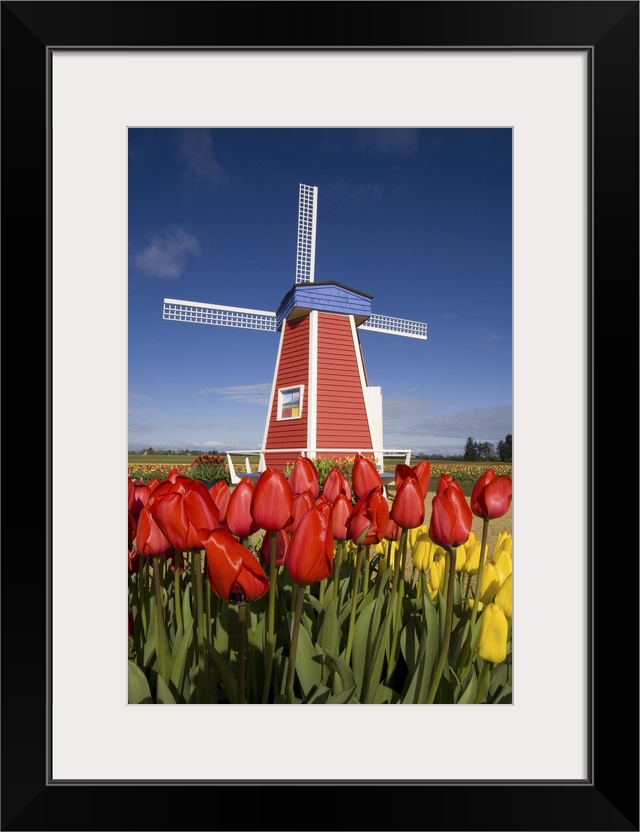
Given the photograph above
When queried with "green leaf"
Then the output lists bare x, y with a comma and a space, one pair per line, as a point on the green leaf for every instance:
418, 687
329, 632
320, 696
308, 663
361, 648
469, 694
138, 686
345, 697
179, 657
163, 694
498, 678
342, 670
385, 695
409, 643
223, 668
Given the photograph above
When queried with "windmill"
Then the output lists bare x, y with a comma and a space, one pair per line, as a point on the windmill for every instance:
321, 403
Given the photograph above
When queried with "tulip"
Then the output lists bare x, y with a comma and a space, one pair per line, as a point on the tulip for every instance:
407, 509
304, 477
503, 563
489, 584
365, 476
238, 519
368, 521
394, 531
420, 472
185, 516
494, 629
310, 554
221, 494
435, 581
340, 511
233, 572
150, 539
504, 596
272, 501
491, 495
334, 484
301, 504
451, 516
447, 481
283, 539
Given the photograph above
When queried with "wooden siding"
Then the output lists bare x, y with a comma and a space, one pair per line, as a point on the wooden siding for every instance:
342, 414
293, 369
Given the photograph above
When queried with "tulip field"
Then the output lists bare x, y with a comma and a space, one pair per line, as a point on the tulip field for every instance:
291, 589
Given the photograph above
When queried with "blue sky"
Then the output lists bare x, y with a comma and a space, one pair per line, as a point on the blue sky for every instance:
421, 219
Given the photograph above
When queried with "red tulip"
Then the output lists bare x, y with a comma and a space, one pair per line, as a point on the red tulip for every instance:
423, 472
491, 495
446, 481
233, 572
310, 554
334, 484
408, 505
301, 505
150, 539
369, 518
394, 531
221, 494
451, 517
185, 514
272, 502
282, 544
340, 511
238, 517
304, 477
365, 476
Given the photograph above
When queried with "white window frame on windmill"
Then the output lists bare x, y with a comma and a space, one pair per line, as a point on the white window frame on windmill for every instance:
282, 392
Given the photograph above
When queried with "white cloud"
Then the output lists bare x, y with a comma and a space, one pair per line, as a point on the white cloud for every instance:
247, 393
166, 255
195, 153
426, 419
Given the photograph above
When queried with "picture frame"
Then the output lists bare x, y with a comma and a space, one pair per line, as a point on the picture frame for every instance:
608, 32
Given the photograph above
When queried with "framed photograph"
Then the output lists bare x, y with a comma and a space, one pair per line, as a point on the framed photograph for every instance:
564, 78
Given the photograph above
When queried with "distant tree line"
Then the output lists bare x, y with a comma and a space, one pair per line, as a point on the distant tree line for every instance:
485, 451
162, 452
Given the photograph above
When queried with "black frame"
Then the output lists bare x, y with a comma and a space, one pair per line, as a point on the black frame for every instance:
608, 799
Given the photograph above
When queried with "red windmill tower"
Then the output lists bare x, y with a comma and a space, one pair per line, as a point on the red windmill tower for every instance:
321, 403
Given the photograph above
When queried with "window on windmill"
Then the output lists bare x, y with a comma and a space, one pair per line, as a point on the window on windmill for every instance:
290, 402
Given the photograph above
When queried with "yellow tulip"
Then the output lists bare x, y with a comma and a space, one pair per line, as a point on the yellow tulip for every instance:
504, 597
412, 535
473, 558
461, 557
503, 563
490, 583
492, 641
435, 581
422, 552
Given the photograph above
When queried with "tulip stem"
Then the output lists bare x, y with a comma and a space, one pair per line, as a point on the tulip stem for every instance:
446, 636
354, 598
367, 567
272, 618
396, 609
177, 598
336, 570
197, 568
294, 642
476, 594
242, 632
160, 642
483, 683
143, 578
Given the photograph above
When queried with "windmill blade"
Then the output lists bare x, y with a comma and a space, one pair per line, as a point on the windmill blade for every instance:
306, 251
396, 326
212, 313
